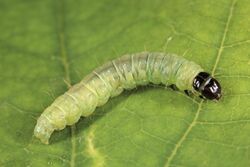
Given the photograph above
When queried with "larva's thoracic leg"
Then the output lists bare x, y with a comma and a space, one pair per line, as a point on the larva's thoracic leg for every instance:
173, 87
187, 92
202, 97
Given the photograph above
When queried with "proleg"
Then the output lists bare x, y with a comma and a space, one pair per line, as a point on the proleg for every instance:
120, 74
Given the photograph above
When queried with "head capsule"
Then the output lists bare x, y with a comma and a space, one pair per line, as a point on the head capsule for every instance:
207, 86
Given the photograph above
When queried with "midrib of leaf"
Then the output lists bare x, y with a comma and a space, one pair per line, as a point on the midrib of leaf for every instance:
196, 117
66, 67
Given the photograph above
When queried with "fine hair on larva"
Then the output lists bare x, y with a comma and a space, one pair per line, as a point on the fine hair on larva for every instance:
112, 78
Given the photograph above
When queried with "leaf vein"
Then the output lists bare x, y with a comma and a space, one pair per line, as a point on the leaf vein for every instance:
65, 63
193, 123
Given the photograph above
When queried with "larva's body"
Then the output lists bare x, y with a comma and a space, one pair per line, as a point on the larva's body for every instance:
110, 80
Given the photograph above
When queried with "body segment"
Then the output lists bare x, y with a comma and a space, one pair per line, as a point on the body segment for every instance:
110, 80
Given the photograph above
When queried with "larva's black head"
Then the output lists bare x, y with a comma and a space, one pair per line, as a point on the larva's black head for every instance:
207, 86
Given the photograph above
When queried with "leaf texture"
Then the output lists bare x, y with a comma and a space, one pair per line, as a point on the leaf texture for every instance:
45, 46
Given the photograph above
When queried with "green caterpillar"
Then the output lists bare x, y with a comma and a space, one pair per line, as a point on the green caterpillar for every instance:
113, 77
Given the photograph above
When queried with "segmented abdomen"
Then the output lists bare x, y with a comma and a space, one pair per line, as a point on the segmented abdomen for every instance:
110, 80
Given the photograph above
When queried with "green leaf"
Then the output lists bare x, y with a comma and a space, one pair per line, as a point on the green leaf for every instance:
45, 43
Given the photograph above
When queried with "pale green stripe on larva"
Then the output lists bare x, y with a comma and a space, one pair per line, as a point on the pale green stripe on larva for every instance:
110, 80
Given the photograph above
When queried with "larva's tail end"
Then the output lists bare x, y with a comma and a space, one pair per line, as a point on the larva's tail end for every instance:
43, 131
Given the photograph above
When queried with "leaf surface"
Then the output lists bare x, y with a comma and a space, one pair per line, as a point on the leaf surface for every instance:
45, 45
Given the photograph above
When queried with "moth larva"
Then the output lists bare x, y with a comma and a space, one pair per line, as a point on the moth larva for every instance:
113, 77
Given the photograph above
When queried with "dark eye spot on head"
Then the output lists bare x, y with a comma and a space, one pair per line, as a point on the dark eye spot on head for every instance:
208, 87
212, 89
199, 80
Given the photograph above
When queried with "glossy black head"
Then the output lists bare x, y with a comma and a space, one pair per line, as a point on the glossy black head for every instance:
207, 86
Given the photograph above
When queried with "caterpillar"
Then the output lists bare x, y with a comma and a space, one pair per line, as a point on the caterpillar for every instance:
112, 78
